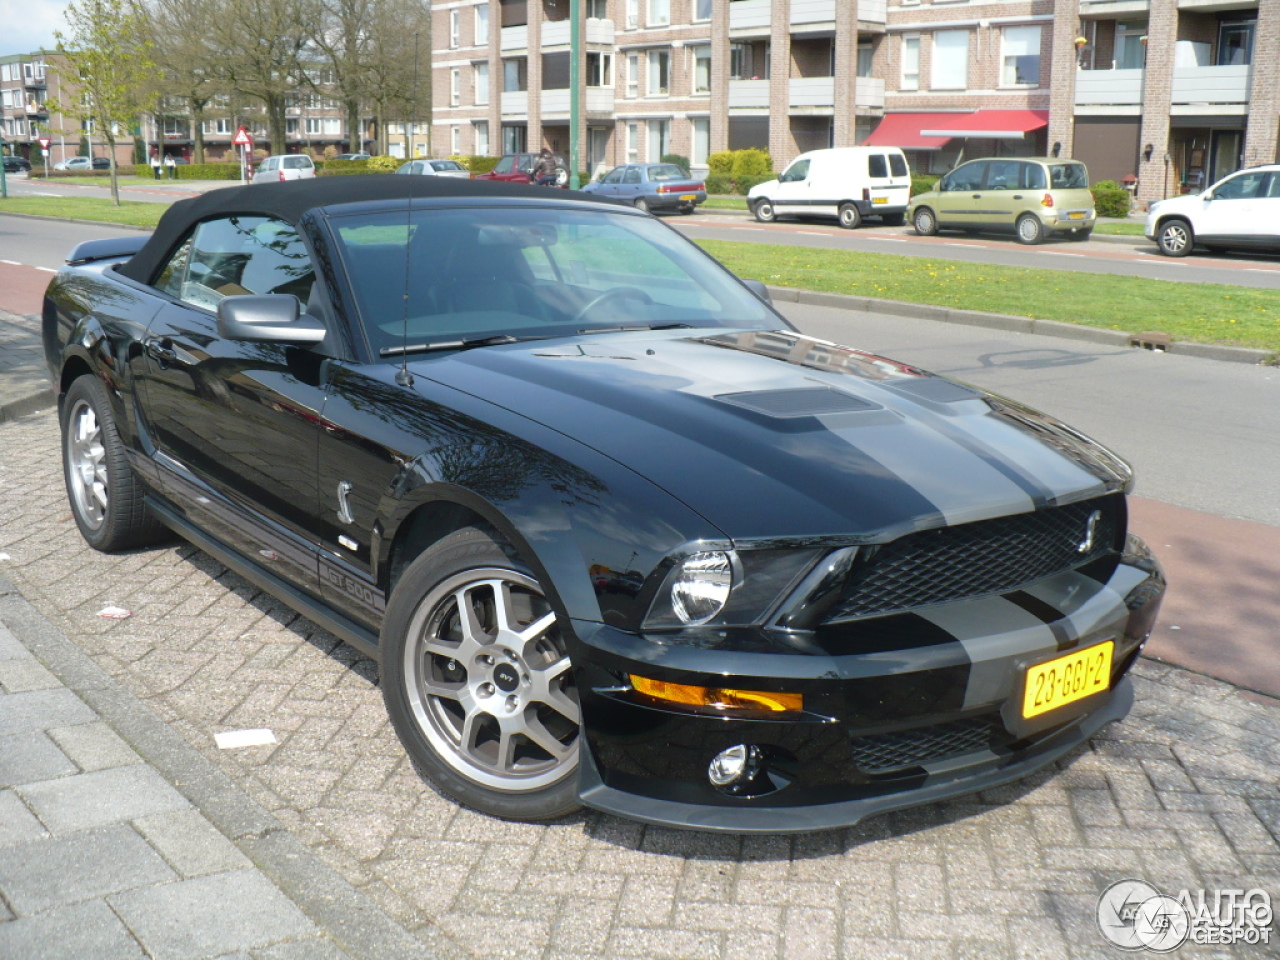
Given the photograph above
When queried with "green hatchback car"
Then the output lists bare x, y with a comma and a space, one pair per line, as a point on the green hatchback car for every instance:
1031, 197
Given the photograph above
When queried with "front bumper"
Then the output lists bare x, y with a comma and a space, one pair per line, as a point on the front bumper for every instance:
893, 717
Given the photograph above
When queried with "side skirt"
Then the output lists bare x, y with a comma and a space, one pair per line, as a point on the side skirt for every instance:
359, 637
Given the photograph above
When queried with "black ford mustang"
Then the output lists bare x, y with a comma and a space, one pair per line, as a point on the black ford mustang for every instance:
615, 532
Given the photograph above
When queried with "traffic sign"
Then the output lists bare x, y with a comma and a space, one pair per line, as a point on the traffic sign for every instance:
44, 142
242, 138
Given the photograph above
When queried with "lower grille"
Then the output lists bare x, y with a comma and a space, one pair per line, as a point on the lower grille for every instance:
884, 753
977, 559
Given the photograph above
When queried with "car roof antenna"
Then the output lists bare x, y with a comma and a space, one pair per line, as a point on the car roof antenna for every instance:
403, 377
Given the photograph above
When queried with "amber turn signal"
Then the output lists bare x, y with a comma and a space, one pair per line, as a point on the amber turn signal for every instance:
721, 698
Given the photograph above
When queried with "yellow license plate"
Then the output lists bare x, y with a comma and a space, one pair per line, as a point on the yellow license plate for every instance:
1067, 679
688, 197
879, 199
1077, 215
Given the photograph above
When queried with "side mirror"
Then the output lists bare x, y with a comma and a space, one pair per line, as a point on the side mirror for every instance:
267, 318
760, 290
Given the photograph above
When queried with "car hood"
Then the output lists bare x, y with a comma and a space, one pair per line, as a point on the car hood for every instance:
774, 434
761, 188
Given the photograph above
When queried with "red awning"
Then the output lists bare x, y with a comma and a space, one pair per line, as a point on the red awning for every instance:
988, 124
932, 131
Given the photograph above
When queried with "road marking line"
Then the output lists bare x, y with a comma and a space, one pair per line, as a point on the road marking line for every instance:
13, 262
1261, 269
950, 243
1055, 253
813, 233
893, 239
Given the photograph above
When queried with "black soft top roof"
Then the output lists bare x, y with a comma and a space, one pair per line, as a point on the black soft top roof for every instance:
290, 199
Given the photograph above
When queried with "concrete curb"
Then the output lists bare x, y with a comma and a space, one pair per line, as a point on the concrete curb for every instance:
354, 922
1000, 321
41, 399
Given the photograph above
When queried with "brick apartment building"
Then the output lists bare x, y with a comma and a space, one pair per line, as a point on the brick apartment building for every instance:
1174, 92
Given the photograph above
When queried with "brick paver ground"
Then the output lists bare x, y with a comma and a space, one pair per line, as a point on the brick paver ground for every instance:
1183, 794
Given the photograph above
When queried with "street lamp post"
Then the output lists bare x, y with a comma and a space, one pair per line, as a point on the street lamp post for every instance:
575, 51
4, 183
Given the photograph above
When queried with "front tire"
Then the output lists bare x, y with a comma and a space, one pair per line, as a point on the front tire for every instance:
106, 498
477, 680
764, 211
1029, 229
925, 222
1175, 238
848, 216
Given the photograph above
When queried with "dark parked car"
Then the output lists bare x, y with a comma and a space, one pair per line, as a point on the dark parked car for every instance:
615, 532
651, 186
518, 168
15, 164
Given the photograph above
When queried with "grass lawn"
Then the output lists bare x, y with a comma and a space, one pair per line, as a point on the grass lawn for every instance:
88, 181
1202, 312
87, 208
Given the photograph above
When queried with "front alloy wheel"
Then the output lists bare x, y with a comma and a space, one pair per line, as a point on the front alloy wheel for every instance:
1175, 238
478, 682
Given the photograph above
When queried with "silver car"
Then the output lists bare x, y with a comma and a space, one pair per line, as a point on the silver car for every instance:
436, 168
287, 166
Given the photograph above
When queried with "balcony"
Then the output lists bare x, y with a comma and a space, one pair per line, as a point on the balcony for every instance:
809, 92
555, 33
599, 31
750, 15
1223, 90
1109, 88
869, 93
804, 12
516, 38
515, 103
600, 100
553, 102
749, 94
1124, 9
873, 11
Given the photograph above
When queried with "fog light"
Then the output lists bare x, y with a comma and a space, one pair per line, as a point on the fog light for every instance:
718, 698
737, 765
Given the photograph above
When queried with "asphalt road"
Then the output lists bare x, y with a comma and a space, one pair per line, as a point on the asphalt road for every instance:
160, 191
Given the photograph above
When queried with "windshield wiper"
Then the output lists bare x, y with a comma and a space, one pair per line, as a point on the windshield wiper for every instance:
453, 345
639, 326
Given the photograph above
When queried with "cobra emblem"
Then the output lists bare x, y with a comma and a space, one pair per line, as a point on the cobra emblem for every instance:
1090, 532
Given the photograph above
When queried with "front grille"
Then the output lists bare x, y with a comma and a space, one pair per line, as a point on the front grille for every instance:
975, 559
884, 753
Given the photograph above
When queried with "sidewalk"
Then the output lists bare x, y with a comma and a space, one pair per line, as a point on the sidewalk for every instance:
118, 840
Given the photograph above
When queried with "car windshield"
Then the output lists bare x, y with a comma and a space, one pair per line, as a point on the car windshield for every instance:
478, 273
445, 165
667, 171
1069, 176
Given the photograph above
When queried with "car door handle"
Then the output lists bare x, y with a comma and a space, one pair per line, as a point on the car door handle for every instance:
161, 351
1017, 196
977, 196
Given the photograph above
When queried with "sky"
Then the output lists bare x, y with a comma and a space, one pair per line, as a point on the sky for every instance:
27, 25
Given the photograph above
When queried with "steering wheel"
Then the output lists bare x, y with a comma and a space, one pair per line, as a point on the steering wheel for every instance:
613, 293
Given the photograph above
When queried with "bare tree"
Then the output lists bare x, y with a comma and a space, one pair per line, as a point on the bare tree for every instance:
177, 31
345, 46
399, 75
109, 65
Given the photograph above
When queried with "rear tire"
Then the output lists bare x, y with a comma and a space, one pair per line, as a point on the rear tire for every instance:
1029, 229
106, 498
477, 680
849, 216
763, 211
925, 222
641, 204
1175, 238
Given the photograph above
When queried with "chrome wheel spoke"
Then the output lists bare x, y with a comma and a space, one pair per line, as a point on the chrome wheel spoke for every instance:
531, 637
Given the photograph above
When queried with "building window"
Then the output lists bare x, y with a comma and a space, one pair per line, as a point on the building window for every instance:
1131, 52
481, 83
910, 63
599, 69
514, 137
633, 142
323, 126
702, 69
865, 59
633, 14
1235, 43
514, 75
1021, 57
482, 25
455, 20
633, 75
659, 72
749, 61
659, 13
659, 139
597, 9
455, 87
455, 141
701, 140
482, 139
701, 10
950, 60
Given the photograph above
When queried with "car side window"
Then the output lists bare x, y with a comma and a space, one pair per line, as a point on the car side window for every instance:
898, 165
1243, 187
504, 165
1273, 187
174, 273
241, 255
877, 166
967, 177
632, 175
1004, 175
795, 173
614, 176
526, 164
1033, 177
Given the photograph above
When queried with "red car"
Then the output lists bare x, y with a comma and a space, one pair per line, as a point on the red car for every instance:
518, 168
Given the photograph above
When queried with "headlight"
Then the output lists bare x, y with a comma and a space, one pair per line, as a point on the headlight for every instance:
701, 587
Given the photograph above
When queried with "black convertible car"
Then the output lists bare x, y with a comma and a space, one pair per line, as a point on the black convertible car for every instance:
615, 532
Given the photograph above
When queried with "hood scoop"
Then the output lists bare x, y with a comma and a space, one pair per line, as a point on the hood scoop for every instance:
801, 402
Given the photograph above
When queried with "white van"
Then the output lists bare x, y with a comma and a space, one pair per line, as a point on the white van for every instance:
291, 166
847, 183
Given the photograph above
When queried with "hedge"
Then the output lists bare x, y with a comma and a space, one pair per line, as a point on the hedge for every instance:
752, 163
1110, 199
209, 171
476, 163
923, 183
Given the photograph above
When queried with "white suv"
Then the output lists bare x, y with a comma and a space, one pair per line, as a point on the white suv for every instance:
1240, 210
292, 166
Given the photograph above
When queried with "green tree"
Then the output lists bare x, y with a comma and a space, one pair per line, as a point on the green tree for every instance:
110, 62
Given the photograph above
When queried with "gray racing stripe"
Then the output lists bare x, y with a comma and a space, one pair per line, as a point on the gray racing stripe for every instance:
1089, 608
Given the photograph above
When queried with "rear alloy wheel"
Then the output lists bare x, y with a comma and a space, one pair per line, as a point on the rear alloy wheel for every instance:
1030, 230
849, 216
1175, 238
477, 680
925, 222
641, 203
106, 498
764, 212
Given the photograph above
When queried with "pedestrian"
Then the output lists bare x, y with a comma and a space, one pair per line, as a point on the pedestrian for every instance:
171, 167
544, 171
155, 164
